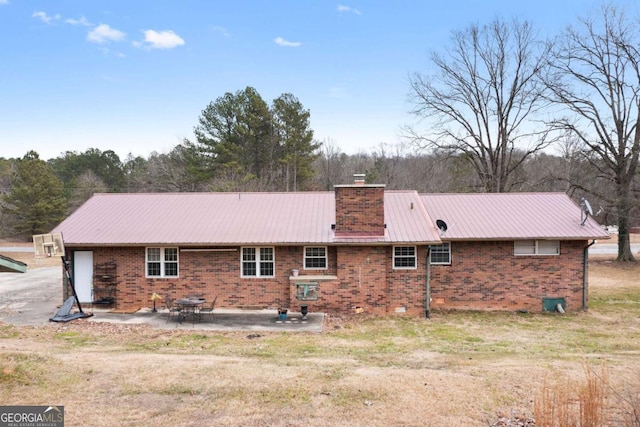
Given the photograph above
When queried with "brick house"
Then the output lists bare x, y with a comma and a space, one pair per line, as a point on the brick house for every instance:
358, 248
510, 251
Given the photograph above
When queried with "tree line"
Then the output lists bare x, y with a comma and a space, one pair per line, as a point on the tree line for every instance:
60, 185
503, 110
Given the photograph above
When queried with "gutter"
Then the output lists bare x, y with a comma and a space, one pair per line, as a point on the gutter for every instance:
428, 285
585, 260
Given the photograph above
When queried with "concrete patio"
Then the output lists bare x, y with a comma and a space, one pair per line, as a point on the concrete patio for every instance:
32, 298
221, 320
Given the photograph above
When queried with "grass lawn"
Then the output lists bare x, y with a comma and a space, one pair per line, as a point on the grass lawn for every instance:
455, 369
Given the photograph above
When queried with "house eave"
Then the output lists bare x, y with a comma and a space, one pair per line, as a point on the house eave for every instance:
214, 245
510, 238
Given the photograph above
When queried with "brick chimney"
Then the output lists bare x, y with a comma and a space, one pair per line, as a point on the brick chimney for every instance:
359, 209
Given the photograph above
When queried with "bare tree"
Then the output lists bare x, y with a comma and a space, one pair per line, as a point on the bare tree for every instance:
388, 162
597, 78
330, 165
484, 100
179, 170
85, 186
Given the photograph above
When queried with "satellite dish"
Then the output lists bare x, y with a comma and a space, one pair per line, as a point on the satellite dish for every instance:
586, 211
441, 225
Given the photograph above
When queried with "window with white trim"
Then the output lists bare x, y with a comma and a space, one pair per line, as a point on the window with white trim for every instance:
315, 258
536, 247
258, 262
162, 262
404, 257
440, 254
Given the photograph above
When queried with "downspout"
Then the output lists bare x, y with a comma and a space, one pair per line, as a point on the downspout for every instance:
585, 260
428, 284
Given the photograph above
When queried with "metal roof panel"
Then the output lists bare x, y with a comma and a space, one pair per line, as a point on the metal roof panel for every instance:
494, 216
193, 219
230, 218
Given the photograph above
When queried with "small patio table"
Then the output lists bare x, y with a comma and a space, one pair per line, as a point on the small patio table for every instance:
190, 307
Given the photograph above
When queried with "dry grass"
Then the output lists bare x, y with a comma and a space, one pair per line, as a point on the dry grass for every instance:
456, 369
588, 402
568, 403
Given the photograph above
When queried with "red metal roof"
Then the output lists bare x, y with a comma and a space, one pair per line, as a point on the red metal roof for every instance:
192, 219
495, 216
198, 219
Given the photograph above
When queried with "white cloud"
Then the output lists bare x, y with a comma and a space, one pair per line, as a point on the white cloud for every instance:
347, 9
282, 42
161, 39
104, 33
4, 1
221, 30
82, 21
44, 17
110, 53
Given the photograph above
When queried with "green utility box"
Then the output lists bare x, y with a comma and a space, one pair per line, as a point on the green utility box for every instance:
550, 304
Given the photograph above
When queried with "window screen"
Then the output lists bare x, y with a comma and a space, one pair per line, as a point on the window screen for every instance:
404, 257
441, 254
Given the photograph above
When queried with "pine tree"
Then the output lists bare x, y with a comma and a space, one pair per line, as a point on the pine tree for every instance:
36, 200
241, 139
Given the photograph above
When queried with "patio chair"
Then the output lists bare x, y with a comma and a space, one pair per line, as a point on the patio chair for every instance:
208, 310
173, 310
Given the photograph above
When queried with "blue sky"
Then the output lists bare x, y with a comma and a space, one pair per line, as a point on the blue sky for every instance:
134, 75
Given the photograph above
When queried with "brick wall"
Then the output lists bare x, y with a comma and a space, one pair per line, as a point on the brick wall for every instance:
359, 210
209, 273
407, 288
486, 275
361, 280
368, 283
483, 275
362, 283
